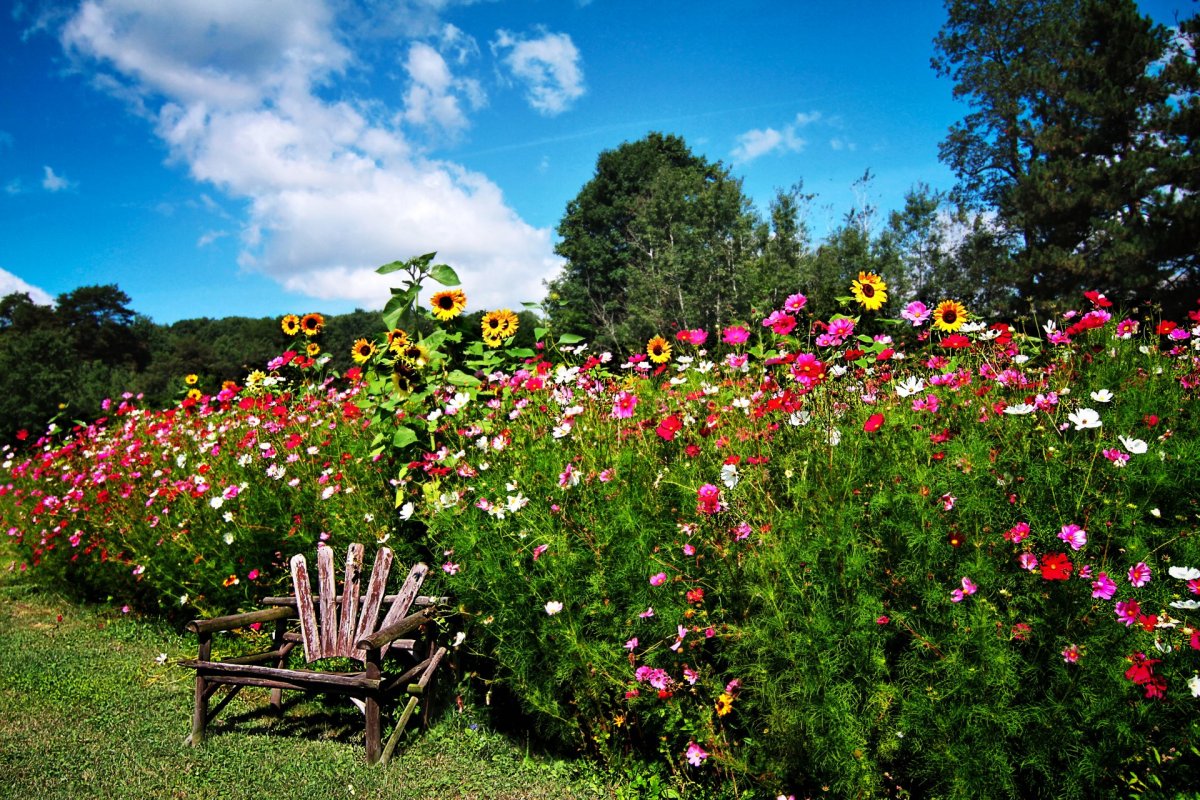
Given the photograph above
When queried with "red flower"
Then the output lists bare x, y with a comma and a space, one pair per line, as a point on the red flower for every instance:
695, 595
1142, 671
1165, 327
1099, 300
955, 341
669, 427
1056, 567
873, 423
1151, 420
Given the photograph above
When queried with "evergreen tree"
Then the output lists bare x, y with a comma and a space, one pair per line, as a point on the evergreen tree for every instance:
1074, 140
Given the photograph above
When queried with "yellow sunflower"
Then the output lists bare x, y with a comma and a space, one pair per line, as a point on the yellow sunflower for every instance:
313, 349
255, 379
397, 339
869, 291
448, 304
290, 325
362, 351
414, 356
659, 350
724, 704
404, 378
499, 325
191, 379
312, 324
949, 316
193, 394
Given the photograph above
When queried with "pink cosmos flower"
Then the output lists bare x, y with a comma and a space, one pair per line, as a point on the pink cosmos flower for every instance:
1070, 653
708, 499
1127, 328
1017, 533
695, 336
690, 675
737, 361
1128, 611
649, 612
780, 322
689, 550
658, 579
735, 334
252, 575
1104, 587
537, 551
1139, 574
631, 644
1116, 456
1073, 535
948, 501
623, 405
841, 327
915, 312
450, 568
696, 755
794, 303
1028, 561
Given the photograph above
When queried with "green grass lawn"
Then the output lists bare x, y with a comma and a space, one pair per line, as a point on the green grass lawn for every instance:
87, 710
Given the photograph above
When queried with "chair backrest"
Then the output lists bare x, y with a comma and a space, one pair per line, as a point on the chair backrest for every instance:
343, 622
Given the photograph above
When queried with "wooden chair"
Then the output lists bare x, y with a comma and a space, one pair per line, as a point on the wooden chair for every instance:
346, 626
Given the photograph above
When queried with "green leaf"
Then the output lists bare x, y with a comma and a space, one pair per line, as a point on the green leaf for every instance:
403, 437
444, 275
395, 266
538, 333
521, 352
570, 338
460, 378
532, 306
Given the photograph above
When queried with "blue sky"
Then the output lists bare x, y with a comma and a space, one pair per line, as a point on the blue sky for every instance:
260, 157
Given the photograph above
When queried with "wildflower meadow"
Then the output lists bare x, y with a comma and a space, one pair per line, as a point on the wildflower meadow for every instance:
892, 552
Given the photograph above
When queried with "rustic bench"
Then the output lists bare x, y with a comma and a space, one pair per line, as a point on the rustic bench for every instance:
344, 625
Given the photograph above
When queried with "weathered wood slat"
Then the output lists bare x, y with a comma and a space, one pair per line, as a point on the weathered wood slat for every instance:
271, 655
387, 634
419, 686
237, 620
348, 618
304, 609
328, 590
404, 599
219, 671
369, 617
422, 600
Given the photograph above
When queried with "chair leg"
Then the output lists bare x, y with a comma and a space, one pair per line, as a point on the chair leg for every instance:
199, 712
373, 733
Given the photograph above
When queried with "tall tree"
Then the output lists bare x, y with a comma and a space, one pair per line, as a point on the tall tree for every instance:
1072, 139
658, 235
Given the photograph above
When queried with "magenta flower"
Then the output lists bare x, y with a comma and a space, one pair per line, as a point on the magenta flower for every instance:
696, 755
1128, 611
1139, 574
735, 334
841, 327
1070, 653
649, 612
537, 551
659, 579
623, 405
915, 312
631, 644
780, 322
1017, 533
794, 303
1073, 535
1104, 587
708, 499
1028, 561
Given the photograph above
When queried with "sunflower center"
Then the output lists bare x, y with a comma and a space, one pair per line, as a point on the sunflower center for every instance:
446, 302
950, 316
868, 290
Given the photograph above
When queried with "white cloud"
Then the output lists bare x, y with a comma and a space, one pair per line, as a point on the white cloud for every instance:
54, 183
759, 142
432, 99
10, 284
548, 65
841, 144
245, 99
208, 237
14, 187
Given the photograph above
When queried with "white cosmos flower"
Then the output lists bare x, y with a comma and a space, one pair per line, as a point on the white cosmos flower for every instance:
909, 386
1187, 605
1194, 684
1085, 418
1102, 396
1184, 573
553, 607
1020, 409
1135, 446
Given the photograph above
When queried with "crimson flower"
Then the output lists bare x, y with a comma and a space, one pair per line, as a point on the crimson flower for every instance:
1056, 567
873, 423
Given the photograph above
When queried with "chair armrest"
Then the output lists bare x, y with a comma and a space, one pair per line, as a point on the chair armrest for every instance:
396, 629
239, 620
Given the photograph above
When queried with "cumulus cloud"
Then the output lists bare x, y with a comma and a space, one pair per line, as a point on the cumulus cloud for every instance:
245, 97
52, 182
548, 65
760, 141
434, 95
10, 284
